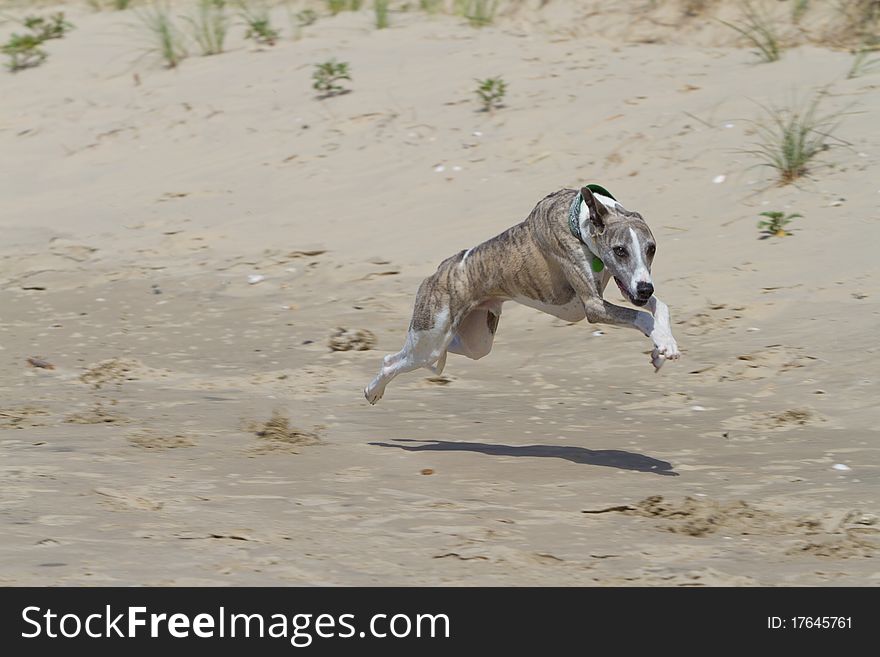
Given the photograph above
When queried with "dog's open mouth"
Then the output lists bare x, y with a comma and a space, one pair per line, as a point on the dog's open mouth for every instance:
625, 292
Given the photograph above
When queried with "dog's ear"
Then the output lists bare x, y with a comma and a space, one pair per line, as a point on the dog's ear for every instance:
597, 209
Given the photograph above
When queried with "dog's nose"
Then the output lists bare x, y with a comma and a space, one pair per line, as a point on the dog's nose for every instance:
644, 291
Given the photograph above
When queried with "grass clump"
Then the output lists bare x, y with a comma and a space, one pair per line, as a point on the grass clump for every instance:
338, 6
757, 28
306, 17
167, 38
299, 20
431, 6
209, 26
775, 223
53, 27
798, 10
381, 9
117, 5
478, 13
862, 65
23, 51
861, 18
328, 75
491, 92
259, 24
792, 137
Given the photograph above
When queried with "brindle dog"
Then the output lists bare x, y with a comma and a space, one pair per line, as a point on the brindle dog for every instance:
559, 261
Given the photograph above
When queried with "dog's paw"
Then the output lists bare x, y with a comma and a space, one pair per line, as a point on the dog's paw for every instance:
665, 348
373, 395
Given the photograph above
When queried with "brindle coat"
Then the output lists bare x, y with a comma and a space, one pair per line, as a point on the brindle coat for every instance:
540, 264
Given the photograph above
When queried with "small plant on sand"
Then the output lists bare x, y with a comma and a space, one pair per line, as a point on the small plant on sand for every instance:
117, 5
791, 138
259, 24
299, 20
862, 64
860, 18
431, 6
53, 27
327, 77
306, 17
381, 9
209, 26
338, 6
757, 28
775, 223
478, 13
694, 7
167, 38
798, 10
491, 92
23, 51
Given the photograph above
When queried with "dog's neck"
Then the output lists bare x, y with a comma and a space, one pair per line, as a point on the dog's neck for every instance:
579, 225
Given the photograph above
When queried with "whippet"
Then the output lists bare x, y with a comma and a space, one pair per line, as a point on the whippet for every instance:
559, 261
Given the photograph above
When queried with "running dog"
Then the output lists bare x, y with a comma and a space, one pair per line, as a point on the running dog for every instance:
559, 261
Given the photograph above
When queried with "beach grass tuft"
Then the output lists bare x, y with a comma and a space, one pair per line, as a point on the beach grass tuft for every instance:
381, 9
168, 40
23, 51
209, 25
338, 6
791, 138
258, 20
758, 29
478, 13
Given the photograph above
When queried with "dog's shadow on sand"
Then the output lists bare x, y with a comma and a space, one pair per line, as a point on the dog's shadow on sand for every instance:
610, 458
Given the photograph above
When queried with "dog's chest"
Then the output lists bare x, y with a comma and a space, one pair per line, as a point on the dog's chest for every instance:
571, 311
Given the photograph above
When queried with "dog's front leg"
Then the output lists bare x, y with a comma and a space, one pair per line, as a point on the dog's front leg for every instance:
665, 347
655, 327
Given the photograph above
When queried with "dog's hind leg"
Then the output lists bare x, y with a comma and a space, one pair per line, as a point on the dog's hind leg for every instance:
423, 348
476, 332
437, 368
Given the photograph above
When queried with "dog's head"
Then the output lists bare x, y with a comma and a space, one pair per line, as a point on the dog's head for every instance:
622, 241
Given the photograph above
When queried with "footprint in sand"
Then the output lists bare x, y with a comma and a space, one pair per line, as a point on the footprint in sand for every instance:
775, 420
715, 317
23, 417
351, 339
277, 435
762, 364
114, 370
96, 415
147, 439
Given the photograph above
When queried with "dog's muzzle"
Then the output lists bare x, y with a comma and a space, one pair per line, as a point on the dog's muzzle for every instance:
636, 299
644, 291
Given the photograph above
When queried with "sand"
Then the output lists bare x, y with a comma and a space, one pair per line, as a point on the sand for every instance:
182, 247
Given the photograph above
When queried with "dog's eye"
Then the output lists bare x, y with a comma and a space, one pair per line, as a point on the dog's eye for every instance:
620, 252
651, 250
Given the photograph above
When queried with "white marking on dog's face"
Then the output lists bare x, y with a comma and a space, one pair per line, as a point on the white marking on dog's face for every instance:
641, 272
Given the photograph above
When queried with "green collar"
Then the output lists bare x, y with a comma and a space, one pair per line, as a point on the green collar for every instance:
598, 189
574, 225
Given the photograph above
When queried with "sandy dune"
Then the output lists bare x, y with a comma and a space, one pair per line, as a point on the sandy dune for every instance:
180, 246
